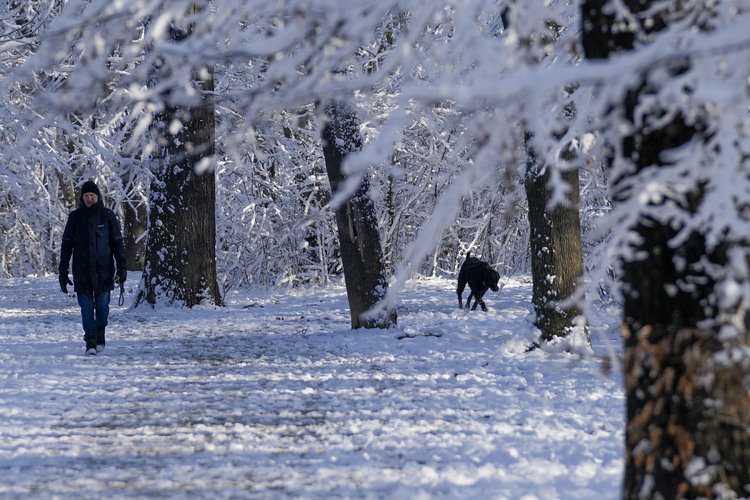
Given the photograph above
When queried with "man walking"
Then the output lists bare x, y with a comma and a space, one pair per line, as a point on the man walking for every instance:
94, 239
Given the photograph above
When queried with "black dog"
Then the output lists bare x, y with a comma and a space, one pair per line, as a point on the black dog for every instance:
480, 277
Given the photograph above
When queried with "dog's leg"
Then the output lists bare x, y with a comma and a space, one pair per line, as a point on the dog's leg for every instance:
468, 301
479, 301
460, 291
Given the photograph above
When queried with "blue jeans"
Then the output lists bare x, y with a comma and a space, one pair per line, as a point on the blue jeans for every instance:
94, 316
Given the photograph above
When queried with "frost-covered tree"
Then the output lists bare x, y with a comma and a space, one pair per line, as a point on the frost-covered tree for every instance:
181, 247
274, 60
48, 154
275, 227
359, 238
555, 247
680, 189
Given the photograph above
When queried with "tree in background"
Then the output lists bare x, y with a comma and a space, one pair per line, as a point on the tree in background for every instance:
551, 183
359, 237
181, 246
556, 251
686, 344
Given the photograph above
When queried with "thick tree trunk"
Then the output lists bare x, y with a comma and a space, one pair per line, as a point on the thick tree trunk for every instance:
688, 411
181, 249
688, 405
556, 250
359, 238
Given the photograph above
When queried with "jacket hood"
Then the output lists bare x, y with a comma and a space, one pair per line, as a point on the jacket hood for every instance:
90, 187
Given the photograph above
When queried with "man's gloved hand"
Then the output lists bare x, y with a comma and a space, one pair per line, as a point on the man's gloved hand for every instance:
64, 282
121, 275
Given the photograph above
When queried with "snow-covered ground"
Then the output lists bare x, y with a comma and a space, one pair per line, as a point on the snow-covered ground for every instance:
273, 396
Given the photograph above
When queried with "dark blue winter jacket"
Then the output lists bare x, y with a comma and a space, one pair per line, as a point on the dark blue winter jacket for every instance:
93, 237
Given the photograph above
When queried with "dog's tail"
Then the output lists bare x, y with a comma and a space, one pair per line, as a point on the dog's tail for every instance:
468, 254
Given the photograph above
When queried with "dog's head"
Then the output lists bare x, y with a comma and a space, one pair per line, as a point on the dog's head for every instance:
492, 279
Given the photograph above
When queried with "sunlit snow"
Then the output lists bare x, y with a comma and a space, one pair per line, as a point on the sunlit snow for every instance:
273, 396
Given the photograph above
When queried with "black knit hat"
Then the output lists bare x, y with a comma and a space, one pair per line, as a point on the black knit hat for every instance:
90, 187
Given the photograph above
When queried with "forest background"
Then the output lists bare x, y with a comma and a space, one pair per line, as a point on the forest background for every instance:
275, 225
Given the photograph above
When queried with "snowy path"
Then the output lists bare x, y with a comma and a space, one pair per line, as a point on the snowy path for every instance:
273, 397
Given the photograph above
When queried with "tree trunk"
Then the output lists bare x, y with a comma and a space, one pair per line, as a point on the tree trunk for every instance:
556, 250
181, 248
688, 406
359, 238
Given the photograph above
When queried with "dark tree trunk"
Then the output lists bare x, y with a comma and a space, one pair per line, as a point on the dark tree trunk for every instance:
556, 249
359, 238
181, 248
687, 411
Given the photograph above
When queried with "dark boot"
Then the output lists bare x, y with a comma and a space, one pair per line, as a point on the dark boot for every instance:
90, 345
100, 342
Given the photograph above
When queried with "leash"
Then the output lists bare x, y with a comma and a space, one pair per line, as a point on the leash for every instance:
121, 299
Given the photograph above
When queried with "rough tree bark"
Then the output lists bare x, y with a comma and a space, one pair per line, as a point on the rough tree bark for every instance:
688, 404
181, 247
556, 249
359, 238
